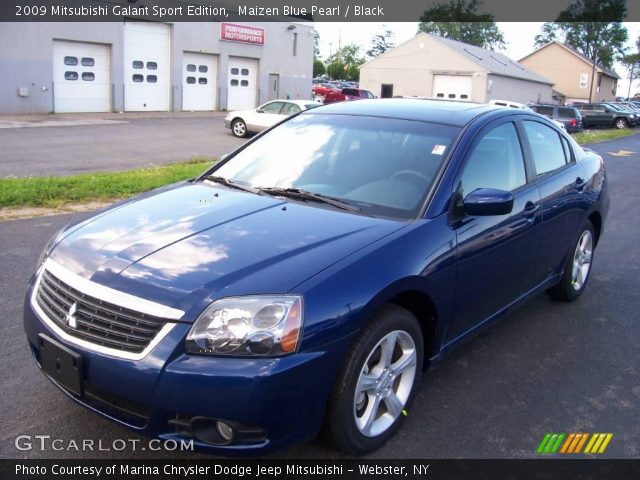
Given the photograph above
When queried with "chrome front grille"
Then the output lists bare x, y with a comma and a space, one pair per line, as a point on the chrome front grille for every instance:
94, 320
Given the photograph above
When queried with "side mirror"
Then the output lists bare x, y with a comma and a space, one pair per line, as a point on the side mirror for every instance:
488, 201
260, 111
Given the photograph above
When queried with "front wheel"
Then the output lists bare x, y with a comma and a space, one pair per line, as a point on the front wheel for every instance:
621, 123
239, 128
377, 382
577, 268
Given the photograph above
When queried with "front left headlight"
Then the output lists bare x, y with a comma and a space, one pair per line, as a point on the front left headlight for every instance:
260, 325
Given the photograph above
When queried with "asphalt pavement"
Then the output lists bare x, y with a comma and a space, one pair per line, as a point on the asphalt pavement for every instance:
549, 367
81, 144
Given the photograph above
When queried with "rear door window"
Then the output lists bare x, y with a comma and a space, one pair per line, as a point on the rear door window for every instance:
546, 147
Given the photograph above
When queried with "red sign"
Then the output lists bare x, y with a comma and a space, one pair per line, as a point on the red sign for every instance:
233, 32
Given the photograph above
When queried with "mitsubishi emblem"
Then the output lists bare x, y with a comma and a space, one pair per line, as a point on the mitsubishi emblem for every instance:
70, 318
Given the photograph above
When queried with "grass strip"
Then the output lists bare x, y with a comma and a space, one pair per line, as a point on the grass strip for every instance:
593, 136
57, 191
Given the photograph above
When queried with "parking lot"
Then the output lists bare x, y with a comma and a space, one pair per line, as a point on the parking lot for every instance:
88, 143
549, 367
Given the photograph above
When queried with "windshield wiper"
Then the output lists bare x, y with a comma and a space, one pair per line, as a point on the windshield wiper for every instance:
300, 194
231, 184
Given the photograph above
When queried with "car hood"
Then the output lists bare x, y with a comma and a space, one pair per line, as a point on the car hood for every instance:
200, 241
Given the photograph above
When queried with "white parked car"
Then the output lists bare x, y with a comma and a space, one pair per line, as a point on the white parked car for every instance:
242, 122
521, 106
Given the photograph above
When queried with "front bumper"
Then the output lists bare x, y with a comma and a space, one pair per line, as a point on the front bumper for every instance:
283, 397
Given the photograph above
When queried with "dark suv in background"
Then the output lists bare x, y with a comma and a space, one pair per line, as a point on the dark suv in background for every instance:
605, 115
569, 116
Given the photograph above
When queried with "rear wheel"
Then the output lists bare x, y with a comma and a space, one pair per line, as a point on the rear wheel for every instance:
577, 268
239, 128
376, 383
621, 123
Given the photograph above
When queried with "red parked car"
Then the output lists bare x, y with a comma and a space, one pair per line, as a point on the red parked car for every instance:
347, 94
320, 90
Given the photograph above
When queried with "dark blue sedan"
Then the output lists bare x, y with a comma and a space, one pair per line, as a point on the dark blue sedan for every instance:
315, 273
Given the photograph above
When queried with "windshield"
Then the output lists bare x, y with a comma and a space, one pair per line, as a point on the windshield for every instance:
383, 166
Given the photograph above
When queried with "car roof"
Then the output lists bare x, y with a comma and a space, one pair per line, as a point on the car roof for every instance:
436, 111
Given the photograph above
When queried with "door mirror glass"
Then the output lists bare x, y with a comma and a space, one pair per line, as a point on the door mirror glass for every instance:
488, 201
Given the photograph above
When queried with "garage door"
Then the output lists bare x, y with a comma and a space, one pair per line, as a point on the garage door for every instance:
81, 77
146, 66
199, 81
242, 87
453, 87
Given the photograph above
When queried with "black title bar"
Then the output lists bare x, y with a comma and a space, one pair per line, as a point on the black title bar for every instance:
538, 469
276, 10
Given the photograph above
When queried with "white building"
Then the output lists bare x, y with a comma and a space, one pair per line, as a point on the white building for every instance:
149, 66
432, 66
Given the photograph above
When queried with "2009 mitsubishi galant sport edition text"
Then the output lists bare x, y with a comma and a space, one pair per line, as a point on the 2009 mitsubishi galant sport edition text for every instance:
315, 273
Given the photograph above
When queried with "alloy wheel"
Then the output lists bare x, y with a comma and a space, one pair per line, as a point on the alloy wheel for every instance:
582, 260
385, 383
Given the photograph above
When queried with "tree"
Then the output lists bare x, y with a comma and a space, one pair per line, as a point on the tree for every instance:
380, 43
336, 70
459, 20
632, 64
576, 28
318, 68
350, 54
353, 73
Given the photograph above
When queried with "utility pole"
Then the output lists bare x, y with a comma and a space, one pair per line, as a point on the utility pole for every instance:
593, 74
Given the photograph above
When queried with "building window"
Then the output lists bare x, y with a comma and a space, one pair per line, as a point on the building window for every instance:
138, 78
235, 71
584, 78
244, 83
191, 80
88, 62
295, 44
73, 61
71, 76
234, 82
203, 69
138, 65
464, 96
452, 95
244, 71
152, 66
191, 68
202, 81
440, 95
152, 79
88, 76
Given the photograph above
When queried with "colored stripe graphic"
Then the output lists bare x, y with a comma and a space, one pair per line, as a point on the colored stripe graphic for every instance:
572, 443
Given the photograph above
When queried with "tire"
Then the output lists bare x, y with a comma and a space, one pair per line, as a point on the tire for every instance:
577, 268
620, 123
239, 128
388, 392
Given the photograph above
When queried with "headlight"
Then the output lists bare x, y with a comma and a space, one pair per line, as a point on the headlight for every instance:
254, 325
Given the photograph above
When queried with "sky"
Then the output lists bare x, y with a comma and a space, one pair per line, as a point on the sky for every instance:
518, 35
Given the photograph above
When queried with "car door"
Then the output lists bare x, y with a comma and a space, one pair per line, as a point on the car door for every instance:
561, 182
268, 115
497, 256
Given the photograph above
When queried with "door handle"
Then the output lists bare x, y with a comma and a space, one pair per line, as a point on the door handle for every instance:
530, 209
580, 184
